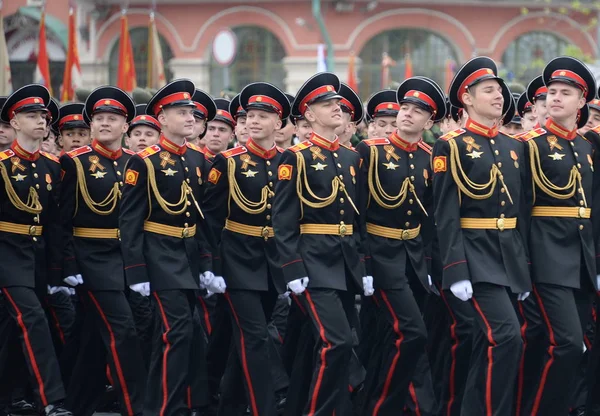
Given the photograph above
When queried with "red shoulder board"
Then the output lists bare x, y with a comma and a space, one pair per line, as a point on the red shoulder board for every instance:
425, 147
149, 151
533, 134
375, 142
234, 152
79, 151
280, 149
50, 156
194, 147
6, 154
348, 147
129, 152
452, 134
301, 146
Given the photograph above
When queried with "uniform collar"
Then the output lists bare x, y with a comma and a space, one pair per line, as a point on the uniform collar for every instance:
555, 128
260, 151
324, 143
475, 127
208, 153
403, 144
172, 147
104, 151
24, 154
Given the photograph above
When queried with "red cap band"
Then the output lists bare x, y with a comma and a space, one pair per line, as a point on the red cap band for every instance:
527, 105
480, 73
20, 104
263, 99
540, 91
314, 94
200, 108
172, 98
565, 73
110, 103
387, 106
423, 97
225, 114
70, 117
348, 105
148, 119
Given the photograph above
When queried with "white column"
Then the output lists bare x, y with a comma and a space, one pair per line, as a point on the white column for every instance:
195, 69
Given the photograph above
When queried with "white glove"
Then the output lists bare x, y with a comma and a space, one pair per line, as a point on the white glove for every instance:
522, 296
55, 289
72, 291
299, 285
432, 287
216, 285
368, 285
206, 278
73, 280
141, 288
598, 282
462, 290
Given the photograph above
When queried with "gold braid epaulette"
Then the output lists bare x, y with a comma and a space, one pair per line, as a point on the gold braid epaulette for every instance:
33, 204
110, 201
545, 185
466, 185
235, 193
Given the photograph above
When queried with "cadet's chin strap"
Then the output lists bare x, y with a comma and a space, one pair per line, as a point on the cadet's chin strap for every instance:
246, 205
111, 199
32, 206
464, 183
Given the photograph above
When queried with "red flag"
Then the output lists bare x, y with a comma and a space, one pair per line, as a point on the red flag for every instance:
72, 74
42, 70
155, 70
386, 62
408, 67
126, 72
352, 83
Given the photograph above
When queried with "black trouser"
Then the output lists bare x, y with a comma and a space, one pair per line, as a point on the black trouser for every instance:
143, 317
559, 308
109, 313
369, 310
24, 307
172, 353
497, 348
592, 405
218, 342
198, 393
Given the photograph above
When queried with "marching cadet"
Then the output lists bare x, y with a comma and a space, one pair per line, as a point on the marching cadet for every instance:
314, 219
397, 227
349, 115
562, 247
143, 131
30, 237
7, 133
238, 209
219, 131
593, 117
239, 115
452, 120
302, 129
536, 95
525, 110
90, 198
478, 181
284, 137
74, 130
199, 120
382, 110
511, 123
163, 253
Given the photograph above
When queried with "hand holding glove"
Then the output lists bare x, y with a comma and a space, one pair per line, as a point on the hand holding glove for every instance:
368, 285
299, 285
141, 288
462, 289
55, 289
73, 280
522, 296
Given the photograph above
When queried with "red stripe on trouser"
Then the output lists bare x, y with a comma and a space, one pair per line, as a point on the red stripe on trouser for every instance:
488, 383
244, 360
413, 394
113, 350
61, 334
34, 365
452, 381
522, 363
398, 342
206, 315
165, 354
324, 350
109, 375
540, 391
189, 397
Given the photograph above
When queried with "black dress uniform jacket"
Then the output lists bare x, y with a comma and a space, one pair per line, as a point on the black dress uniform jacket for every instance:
495, 163
167, 262
394, 164
243, 179
562, 249
325, 259
30, 260
90, 198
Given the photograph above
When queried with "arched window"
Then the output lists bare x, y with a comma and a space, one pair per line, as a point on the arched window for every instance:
139, 44
429, 53
526, 56
259, 57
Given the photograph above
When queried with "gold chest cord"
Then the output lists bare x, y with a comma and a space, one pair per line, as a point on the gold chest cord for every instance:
110, 201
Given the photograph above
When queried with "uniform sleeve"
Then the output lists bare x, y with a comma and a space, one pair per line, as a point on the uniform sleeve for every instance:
286, 215
67, 211
53, 231
427, 224
215, 209
524, 214
594, 138
359, 219
447, 217
134, 209
363, 200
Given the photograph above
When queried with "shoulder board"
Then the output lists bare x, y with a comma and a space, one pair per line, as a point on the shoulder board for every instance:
348, 147
583, 137
194, 147
280, 149
452, 134
6, 154
596, 129
149, 151
50, 156
129, 152
533, 134
301, 146
425, 147
234, 151
376, 142
79, 151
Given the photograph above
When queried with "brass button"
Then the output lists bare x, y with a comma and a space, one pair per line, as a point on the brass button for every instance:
581, 227
339, 165
121, 183
409, 212
581, 203
492, 141
35, 219
407, 224
501, 215
412, 178
499, 164
342, 200
33, 165
410, 201
576, 154
37, 186
335, 154
188, 203
268, 163
187, 214
186, 225
35, 175
341, 177
579, 165
412, 166
502, 190
271, 184
268, 217
572, 144
496, 152
410, 155
188, 180
270, 173
341, 212
115, 163
186, 169
580, 190
268, 206
502, 203
183, 158
119, 172
35, 238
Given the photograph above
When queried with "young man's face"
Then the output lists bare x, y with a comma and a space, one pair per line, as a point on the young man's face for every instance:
241, 131
108, 127
512, 129
49, 144
218, 136
7, 135
178, 121
284, 136
528, 121
141, 137
485, 99
412, 120
70, 139
383, 126
303, 129
564, 101
327, 114
199, 126
262, 124
540, 110
593, 121
31, 124
372, 130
